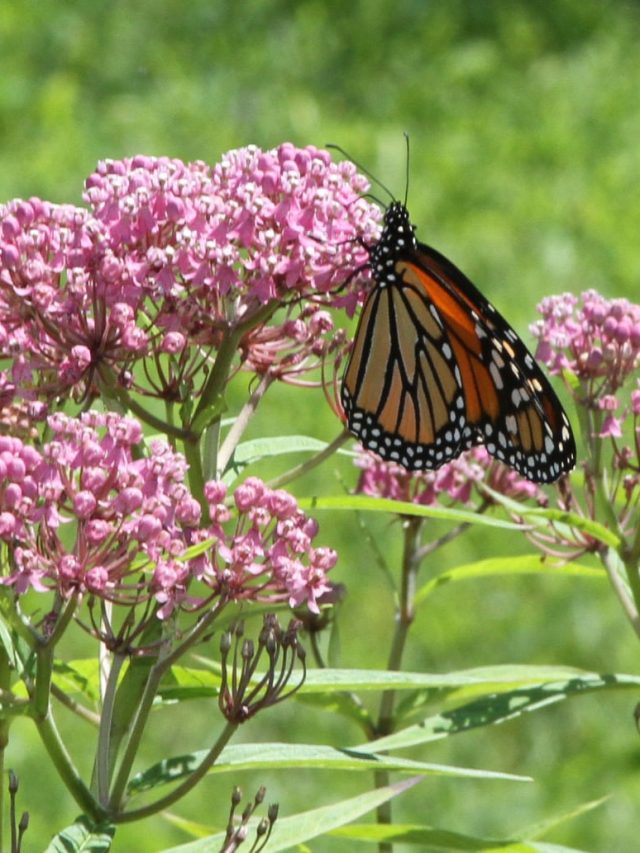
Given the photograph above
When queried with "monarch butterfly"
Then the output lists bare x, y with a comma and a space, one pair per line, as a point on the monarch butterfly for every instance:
435, 369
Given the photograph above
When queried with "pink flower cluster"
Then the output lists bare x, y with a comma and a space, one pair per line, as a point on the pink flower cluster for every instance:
455, 482
290, 350
595, 338
598, 340
78, 512
89, 512
268, 553
168, 257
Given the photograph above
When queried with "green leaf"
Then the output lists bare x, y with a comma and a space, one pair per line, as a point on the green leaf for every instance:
543, 827
339, 703
197, 549
131, 687
565, 521
484, 678
297, 829
19, 653
184, 683
83, 835
190, 827
248, 452
78, 676
370, 504
259, 448
436, 838
529, 564
495, 708
283, 755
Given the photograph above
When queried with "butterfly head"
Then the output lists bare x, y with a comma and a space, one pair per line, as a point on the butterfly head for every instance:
397, 236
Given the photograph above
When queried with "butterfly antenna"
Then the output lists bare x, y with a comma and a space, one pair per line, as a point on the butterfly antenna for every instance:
375, 198
364, 171
406, 181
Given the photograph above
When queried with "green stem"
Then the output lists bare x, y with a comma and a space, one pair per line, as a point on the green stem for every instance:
156, 673
195, 473
44, 668
614, 564
210, 453
310, 464
211, 404
404, 617
64, 765
591, 424
75, 707
104, 758
66, 615
5, 722
111, 388
187, 785
213, 391
241, 422
634, 550
135, 736
209, 411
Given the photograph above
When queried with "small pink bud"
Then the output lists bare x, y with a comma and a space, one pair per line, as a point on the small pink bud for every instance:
84, 504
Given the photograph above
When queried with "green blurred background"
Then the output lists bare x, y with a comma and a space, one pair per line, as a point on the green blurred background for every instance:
524, 121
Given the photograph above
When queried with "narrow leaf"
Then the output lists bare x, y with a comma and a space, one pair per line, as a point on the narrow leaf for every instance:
370, 504
422, 836
528, 564
259, 448
436, 838
493, 709
339, 703
283, 755
537, 830
484, 677
560, 517
302, 827
78, 676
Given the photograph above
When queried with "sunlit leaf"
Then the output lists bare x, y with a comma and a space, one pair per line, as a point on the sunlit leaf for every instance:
297, 829
365, 503
310, 756
430, 837
498, 707
523, 565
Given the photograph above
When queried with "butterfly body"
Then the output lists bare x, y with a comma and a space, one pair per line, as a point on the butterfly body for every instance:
436, 370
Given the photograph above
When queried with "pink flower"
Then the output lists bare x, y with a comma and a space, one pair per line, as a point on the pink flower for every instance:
598, 340
456, 482
169, 257
611, 428
126, 508
266, 553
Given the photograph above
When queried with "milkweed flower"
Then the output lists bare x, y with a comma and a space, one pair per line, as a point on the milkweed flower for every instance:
82, 514
264, 551
93, 511
597, 341
168, 257
595, 338
458, 481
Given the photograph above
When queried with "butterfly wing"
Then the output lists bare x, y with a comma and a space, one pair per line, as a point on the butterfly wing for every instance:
435, 370
402, 392
509, 402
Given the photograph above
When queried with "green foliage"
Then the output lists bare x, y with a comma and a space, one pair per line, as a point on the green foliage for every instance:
524, 123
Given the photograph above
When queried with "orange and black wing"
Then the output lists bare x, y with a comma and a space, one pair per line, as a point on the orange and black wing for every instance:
435, 370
